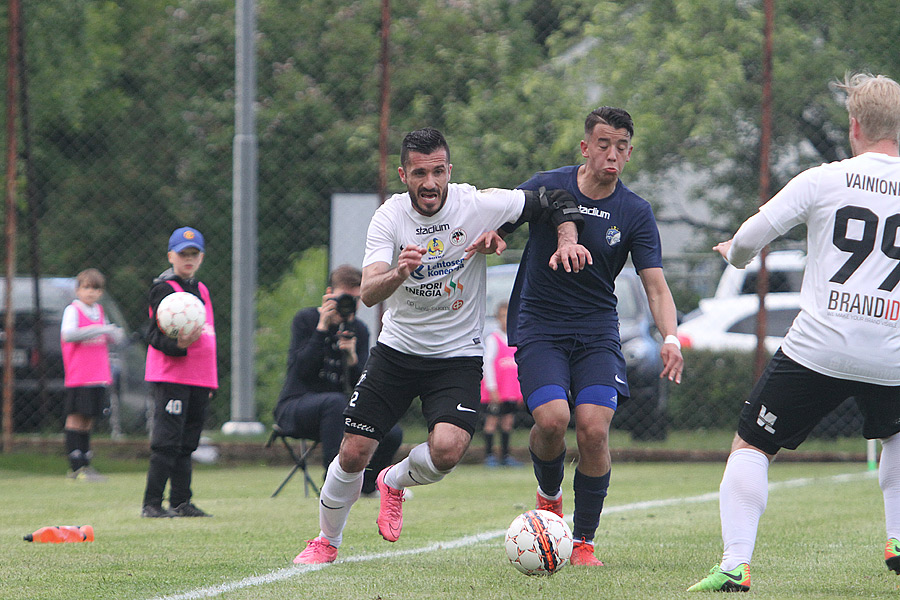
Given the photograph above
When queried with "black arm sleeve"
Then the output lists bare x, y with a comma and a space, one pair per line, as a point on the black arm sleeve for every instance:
553, 206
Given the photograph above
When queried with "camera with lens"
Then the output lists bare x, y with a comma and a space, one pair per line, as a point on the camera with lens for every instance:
346, 306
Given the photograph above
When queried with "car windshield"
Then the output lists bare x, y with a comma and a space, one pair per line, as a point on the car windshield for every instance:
778, 321
56, 294
779, 281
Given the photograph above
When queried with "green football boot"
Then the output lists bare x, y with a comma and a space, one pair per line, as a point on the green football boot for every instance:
892, 555
735, 580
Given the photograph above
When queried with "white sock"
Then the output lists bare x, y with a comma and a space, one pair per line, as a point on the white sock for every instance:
742, 500
339, 492
415, 469
889, 480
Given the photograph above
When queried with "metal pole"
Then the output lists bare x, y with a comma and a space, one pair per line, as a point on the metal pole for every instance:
385, 119
33, 203
11, 157
385, 99
244, 249
765, 141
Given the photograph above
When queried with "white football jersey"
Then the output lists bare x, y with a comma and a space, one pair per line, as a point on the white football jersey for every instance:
850, 297
439, 310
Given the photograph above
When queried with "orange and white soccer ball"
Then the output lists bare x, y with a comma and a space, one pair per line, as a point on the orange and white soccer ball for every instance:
539, 542
180, 311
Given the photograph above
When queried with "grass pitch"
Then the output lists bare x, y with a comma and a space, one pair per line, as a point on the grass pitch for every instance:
821, 537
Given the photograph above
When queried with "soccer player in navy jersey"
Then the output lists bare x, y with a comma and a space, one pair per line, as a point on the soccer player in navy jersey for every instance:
566, 329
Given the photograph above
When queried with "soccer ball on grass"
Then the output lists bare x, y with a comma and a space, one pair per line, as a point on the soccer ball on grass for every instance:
538, 542
180, 311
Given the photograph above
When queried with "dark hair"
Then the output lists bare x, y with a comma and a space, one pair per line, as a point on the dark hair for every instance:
614, 117
345, 276
424, 141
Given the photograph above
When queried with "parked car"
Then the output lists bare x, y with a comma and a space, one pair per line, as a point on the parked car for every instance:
784, 267
32, 411
645, 414
729, 323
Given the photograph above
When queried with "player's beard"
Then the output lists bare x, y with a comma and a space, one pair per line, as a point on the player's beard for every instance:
421, 209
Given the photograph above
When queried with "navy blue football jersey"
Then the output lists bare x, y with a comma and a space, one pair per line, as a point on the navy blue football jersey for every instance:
545, 302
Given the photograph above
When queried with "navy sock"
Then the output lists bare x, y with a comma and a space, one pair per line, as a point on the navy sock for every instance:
589, 495
549, 473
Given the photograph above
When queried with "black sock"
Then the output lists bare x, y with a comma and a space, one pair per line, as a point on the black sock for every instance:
84, 444
74, 452
590, 493
488, 444
549, 473
504, 444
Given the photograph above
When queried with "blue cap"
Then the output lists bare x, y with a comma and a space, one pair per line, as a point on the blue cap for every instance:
185, 237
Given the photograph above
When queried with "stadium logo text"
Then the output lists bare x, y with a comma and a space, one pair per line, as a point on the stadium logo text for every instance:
593, 211
432, 229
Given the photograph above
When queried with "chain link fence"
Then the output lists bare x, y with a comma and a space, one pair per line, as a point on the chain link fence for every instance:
125, 126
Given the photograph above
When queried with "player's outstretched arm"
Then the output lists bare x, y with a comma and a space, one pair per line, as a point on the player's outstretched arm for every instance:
379, 280
489, 242
662, 306
569, 253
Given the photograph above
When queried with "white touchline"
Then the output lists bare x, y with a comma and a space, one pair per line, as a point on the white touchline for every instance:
289, 572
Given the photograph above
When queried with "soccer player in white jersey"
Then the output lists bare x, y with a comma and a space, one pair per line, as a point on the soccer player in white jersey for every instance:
425, 259
845, 340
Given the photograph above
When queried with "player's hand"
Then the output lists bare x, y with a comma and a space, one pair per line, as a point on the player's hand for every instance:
409, 260
488, 242
328, 314
186, 339
673, 362
723, 248
572, 257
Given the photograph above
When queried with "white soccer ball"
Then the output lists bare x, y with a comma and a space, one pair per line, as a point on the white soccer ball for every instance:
539, 542
180, 311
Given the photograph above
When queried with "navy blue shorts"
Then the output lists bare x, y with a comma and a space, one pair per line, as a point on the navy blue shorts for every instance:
569, 365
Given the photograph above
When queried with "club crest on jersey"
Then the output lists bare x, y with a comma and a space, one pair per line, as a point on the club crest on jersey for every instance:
435, 248
458, 237
613, 236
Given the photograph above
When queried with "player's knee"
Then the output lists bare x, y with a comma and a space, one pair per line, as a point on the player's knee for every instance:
356, 452
592, 433
446, 453
551, 425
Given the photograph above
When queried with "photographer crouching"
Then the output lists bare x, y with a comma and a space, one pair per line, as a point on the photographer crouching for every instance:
329, 348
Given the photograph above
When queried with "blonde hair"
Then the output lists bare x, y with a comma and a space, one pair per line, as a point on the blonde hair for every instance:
90, 278
874, 101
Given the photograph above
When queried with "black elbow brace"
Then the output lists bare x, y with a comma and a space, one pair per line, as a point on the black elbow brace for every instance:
553, 206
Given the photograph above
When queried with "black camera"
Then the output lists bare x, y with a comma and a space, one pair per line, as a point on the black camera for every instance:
346, 305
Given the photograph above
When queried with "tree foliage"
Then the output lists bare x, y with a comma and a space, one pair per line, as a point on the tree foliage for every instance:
132, 109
